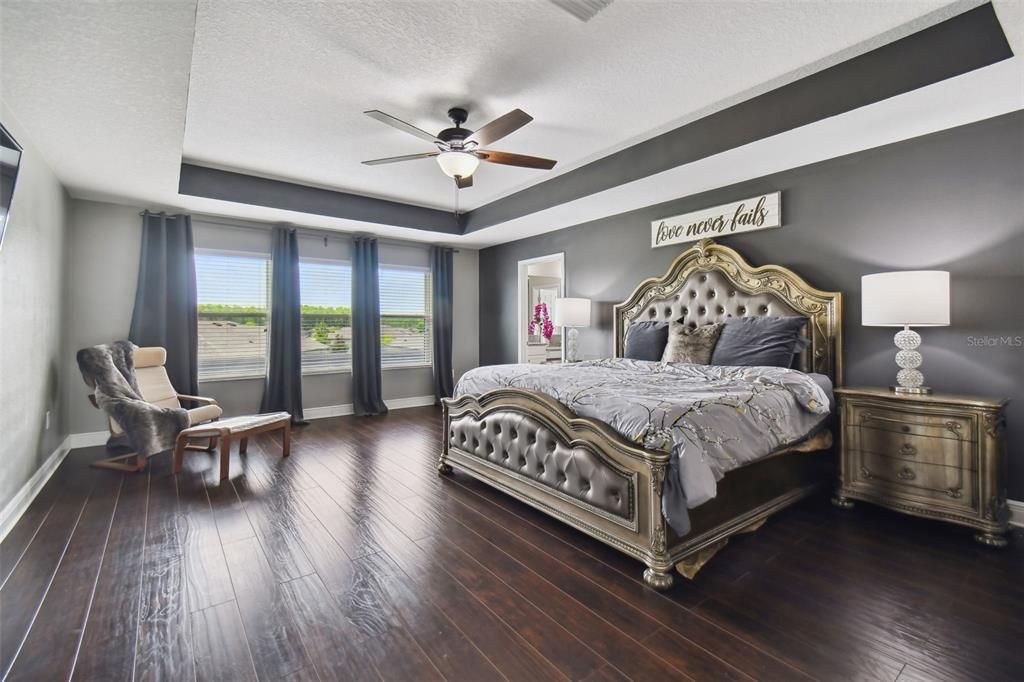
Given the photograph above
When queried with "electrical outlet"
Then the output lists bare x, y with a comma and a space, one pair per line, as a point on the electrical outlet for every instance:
46, 421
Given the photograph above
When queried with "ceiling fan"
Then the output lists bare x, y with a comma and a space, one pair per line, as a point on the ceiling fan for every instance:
459, 149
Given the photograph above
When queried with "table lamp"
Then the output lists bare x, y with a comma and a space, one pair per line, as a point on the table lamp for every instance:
572, 313
915, 298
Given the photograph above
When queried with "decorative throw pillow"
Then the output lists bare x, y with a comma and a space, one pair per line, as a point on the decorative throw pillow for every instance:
646, 340
691, 344
758, 341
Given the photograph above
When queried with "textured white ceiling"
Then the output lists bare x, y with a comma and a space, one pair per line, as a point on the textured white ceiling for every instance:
101, 89
277, 88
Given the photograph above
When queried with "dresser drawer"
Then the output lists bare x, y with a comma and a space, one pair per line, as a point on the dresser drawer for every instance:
932, 425
913, 447
950, 485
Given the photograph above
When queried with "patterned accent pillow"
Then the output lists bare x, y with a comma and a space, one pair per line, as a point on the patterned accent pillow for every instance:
691, 344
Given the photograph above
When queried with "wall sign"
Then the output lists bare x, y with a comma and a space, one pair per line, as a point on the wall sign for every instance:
757, 213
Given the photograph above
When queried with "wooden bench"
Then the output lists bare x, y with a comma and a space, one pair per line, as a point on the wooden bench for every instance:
229, 429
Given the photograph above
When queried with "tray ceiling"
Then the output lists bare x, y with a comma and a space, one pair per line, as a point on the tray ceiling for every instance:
116, 95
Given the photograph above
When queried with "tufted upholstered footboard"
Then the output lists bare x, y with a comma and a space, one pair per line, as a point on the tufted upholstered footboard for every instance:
578, 470
583, 473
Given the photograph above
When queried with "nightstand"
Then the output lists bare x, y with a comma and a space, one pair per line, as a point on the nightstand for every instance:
939, 455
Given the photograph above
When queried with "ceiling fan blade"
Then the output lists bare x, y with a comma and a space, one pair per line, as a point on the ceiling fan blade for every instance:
521, 160
396, 159
500, 127
463, 183
401, 125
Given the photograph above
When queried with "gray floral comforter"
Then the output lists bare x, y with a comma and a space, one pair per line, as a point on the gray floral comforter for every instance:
713, 419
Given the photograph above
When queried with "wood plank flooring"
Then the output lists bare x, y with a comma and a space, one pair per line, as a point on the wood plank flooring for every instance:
353, 560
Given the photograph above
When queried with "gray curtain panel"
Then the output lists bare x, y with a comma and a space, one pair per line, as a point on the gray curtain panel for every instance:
441, 307
165, 312
367, 391
282, 390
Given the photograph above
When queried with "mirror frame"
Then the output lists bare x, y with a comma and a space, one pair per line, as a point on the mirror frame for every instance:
14, 185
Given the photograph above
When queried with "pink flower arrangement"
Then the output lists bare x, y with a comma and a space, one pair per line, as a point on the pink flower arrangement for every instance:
541, 320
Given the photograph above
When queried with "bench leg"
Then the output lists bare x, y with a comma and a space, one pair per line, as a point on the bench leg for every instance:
286, 445
179, 450
243, 445
225, 457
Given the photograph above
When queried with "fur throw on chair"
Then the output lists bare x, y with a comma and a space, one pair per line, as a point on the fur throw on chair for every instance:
110, 371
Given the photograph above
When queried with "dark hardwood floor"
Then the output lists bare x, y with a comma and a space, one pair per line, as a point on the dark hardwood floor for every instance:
353, 560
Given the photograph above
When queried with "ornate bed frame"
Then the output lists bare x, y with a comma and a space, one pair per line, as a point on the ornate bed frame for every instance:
582, 472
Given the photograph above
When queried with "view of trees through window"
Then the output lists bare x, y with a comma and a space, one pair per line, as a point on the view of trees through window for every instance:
234, 315
233, 295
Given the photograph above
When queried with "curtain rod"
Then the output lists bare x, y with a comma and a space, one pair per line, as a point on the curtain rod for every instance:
308, 231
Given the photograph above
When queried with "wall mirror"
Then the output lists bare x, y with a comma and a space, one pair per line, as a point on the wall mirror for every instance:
10, 159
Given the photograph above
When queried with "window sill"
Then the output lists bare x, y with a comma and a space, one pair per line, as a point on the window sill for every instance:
318, 372
309, 373
322, 372
217, 380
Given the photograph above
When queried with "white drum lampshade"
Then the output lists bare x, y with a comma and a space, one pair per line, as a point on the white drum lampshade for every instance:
915, 298
572, 313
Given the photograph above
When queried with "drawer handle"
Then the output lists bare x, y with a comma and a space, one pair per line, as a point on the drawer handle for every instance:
905, 429
955, 493
908, 450
906, 474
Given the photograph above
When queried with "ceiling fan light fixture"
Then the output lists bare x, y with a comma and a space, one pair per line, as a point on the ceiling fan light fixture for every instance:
458, 164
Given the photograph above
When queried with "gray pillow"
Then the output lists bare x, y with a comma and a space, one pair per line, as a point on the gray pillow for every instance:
691, 344
758, 341
646, 340
802, 344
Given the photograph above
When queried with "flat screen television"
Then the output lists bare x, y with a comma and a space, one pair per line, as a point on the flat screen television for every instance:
10, 159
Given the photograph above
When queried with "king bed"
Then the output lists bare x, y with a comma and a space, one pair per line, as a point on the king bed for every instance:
662, 461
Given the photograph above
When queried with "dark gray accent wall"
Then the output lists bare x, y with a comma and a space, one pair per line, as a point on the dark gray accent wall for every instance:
212, 183
956, 46
952, 200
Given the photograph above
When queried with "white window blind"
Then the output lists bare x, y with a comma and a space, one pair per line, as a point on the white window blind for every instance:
326, 291
405, 317
233, 296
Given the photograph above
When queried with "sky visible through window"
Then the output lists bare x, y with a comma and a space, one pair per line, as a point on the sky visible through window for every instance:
242, 280
231, 279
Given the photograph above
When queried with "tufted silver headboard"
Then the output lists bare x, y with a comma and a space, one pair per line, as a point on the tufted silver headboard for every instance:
710, 282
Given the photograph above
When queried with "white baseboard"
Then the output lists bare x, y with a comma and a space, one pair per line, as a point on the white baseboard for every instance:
342, 410
13, 510
325, 412
1016, 512
87, 440
415, 401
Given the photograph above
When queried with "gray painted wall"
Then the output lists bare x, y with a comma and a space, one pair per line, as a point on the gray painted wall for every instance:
104, 267
952, 200
32, 288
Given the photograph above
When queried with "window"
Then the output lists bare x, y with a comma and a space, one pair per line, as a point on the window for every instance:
233, 294
234, 313
326, 290
405, 335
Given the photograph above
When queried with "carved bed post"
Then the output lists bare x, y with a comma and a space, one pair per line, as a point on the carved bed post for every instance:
443, 468
658, 573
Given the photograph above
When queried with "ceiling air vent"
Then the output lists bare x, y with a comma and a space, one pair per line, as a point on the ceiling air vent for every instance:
584, 10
